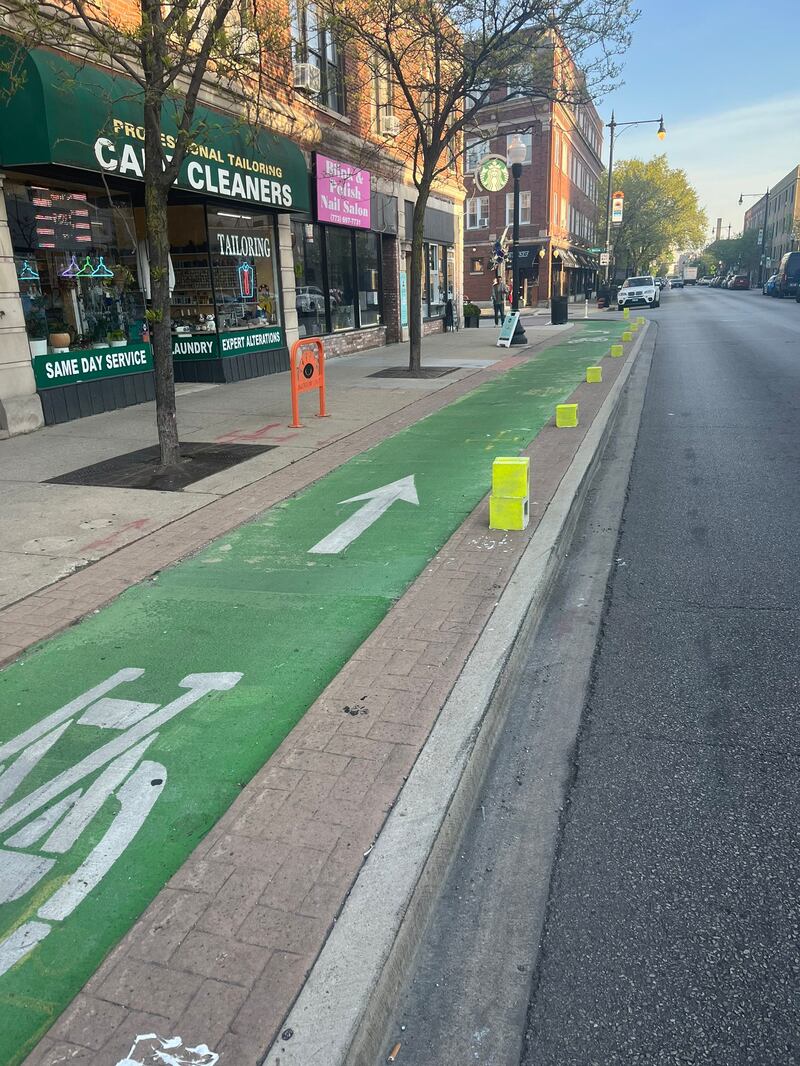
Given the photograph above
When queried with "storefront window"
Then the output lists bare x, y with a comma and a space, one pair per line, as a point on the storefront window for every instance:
244, 269
438, 275
436, 264
368, 260
309, 277
192, 302
340, 278
75, 256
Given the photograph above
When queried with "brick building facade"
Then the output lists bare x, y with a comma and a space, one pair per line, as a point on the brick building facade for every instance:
256, 262
779, 219
559, 190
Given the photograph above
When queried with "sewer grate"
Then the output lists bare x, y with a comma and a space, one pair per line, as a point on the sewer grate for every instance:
139, 469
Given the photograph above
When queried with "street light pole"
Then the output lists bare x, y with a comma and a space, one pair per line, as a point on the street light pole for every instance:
762, 259
516, 156
613, 125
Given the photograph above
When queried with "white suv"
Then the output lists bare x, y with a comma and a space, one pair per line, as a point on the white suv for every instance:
639, 291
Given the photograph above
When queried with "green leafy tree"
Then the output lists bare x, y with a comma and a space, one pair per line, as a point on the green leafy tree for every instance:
742, 253
661, 213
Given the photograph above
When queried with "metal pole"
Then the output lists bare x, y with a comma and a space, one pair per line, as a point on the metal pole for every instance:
612, 125
518, 336
516, 170
762, 272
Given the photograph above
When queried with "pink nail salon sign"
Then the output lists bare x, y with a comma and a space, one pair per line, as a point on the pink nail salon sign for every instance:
342, 193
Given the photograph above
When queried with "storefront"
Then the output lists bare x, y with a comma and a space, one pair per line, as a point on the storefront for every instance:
72, 153
438, 260
339, 255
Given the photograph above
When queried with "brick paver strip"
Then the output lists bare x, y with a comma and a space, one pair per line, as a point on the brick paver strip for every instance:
263, 891
54, 608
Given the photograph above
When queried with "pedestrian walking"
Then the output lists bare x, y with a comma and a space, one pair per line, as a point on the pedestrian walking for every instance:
499, 295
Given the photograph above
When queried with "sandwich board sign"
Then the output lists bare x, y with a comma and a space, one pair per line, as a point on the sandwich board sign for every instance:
508, 328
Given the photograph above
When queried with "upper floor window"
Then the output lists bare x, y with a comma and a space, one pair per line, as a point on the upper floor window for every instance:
478, 212
383, 91
313, 42
526, 139
476, 149
524, 208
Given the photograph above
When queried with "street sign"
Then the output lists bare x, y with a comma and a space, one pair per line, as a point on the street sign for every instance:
761, 235
605, 259
507, 332
617, 204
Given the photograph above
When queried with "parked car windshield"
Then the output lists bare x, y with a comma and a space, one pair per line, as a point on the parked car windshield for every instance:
639, 281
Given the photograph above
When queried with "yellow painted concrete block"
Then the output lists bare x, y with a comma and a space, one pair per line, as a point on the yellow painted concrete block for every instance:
627, 336
626, 313
617, 350
566, 415
634, 327
594, 373
508, 514
510, 477
640, 320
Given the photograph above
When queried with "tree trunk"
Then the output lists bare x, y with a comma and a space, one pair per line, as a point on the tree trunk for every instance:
155, 199
417, 266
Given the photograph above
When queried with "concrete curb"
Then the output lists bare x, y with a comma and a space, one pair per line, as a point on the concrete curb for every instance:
340, 1016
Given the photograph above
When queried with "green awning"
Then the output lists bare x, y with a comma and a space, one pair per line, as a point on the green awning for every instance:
79, 116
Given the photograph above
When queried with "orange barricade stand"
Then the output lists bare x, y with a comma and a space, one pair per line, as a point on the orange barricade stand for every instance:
307, 369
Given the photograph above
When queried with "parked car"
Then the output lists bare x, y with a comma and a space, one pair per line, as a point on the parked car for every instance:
768, 288
661, 282
309, 300
788, 280
739, 281
676, 282
641, 290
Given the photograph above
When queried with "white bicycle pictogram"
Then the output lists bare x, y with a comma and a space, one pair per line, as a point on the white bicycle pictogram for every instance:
49, 821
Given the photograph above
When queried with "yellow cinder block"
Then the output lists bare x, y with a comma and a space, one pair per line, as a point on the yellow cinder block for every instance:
626, 312
566, 415
617, 350
634, 327
627, 336
510, 477
508, 514
594, 373
640, 320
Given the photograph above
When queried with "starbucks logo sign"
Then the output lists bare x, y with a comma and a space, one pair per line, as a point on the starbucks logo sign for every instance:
493, 173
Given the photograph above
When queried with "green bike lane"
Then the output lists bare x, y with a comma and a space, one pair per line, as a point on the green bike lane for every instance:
222, 655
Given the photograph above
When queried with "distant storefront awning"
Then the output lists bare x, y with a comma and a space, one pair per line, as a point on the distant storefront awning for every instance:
565, 256
74, 115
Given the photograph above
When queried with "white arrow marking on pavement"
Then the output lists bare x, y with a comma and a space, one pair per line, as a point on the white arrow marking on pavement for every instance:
378, 501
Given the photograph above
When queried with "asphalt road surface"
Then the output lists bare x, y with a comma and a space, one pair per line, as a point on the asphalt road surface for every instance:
632, 896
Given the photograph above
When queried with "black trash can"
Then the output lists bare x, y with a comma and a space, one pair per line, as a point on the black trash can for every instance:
559, 310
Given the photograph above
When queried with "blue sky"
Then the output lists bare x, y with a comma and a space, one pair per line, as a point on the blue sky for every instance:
726, 76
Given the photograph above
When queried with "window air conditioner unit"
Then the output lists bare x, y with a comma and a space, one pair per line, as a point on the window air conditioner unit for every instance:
390, 125
307, 78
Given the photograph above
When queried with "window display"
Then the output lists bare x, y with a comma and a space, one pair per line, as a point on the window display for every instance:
340, 278
368, 260
243, 269
310, 282
75, 254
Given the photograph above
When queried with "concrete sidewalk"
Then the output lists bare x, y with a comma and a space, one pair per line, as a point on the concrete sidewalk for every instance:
50, 531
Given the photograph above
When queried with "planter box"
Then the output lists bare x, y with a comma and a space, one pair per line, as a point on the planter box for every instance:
472, 321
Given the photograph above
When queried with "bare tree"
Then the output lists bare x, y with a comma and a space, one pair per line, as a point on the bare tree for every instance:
453, 62
169, 50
